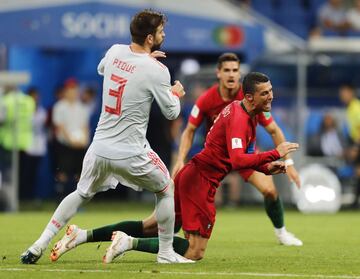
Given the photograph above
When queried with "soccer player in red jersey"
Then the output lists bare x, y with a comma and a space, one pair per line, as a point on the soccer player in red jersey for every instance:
207, 107
228, 146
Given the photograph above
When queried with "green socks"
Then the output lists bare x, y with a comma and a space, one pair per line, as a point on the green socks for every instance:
133, 228
151, 245
275, 211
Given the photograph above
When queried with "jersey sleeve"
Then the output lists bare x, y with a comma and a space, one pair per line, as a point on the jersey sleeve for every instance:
265, 118
166, 99
236, 127
197, 113
101, 66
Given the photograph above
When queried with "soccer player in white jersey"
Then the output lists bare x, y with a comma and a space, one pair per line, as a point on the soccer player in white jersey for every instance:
120, 151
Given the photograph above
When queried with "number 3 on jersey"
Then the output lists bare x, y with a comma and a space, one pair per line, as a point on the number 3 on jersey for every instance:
121, 82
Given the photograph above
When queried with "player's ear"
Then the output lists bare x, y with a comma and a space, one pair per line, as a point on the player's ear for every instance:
150, 39
249, 97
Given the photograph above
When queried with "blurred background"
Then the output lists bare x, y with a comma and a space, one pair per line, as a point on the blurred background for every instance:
49, 51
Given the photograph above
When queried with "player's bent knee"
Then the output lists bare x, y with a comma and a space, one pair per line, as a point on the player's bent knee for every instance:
270, 193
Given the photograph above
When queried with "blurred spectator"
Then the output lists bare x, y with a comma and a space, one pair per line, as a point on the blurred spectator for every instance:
52, 142
88, 99
71, 122
328, 142
353, 16
332, 19
2, 120
352, 103
36, 151
330, 137
16, 130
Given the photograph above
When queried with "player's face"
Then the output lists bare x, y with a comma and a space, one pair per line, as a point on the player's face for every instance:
158, 38
263, 97
229, 75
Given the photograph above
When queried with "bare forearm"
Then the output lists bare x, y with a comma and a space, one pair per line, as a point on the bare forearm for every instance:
278, 137
185, 144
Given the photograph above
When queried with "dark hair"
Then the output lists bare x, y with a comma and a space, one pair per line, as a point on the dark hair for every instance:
32, 90
145, 23
348, 86
251, 80
225, 57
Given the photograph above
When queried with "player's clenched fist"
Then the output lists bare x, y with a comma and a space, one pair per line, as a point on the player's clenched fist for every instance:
178, 88
287, 147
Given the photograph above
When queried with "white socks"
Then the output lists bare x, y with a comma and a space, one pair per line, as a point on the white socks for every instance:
65, 210
280, 231
165, 216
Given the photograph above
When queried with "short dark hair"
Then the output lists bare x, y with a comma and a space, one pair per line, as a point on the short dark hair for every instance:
145, 23
348, 86
225, 57
251, 80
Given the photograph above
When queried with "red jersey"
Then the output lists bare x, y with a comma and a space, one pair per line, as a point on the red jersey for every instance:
210, 104
229, 143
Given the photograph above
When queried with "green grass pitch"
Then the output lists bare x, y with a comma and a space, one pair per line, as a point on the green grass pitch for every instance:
243, 245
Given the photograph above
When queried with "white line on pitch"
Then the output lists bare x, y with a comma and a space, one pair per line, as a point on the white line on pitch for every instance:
254, 274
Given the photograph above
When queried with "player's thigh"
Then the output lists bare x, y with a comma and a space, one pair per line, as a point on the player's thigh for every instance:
95, 175
144, 171
196, 199
264, 183
197, 247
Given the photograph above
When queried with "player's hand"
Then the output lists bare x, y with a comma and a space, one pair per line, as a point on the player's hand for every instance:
293, 175
177, 167
286, 147
178, 88
277, 167
158, 54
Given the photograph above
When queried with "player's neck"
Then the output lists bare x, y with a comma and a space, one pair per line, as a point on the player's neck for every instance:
249, 108
228, 94
136, 48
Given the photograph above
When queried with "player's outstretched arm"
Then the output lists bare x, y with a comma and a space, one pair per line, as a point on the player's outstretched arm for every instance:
286, 147
278, 137
186, 141
292, 173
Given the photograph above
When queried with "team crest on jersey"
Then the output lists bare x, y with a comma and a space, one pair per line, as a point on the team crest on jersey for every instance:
267, 115
236, 143
195, 111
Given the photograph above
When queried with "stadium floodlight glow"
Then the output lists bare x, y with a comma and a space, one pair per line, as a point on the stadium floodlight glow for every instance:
318, 193
320, 190
189, 66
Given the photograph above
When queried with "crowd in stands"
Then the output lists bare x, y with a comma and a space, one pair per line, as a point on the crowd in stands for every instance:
312, 18
334, 18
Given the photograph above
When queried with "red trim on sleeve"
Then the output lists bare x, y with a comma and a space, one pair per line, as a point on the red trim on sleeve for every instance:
175, 94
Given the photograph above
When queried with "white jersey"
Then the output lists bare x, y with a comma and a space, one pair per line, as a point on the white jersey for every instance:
131, 82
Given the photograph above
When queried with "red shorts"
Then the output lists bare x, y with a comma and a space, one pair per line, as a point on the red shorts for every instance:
246, 173
194, 201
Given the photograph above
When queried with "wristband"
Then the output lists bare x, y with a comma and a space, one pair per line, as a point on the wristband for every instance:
289, 162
